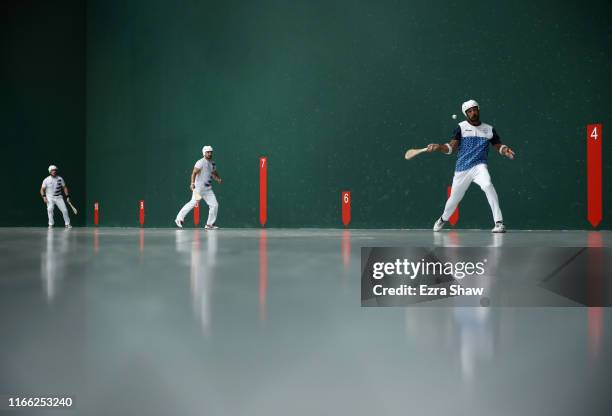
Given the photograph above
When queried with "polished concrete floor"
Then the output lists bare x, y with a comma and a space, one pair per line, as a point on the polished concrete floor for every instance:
269, 322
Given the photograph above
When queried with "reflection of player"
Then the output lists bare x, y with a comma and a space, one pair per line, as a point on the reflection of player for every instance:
51, 192
202, 277
53, 262
472, 139
476, 338
204, 171
202, 272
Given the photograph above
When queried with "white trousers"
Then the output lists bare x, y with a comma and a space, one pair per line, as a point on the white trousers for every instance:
462, 181
213, 206
52, 201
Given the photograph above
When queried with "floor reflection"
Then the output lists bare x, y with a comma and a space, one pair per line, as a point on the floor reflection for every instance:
53, 261
141, 244
202, 276
497, 239
468, 332
595, 285
476, 339
118, 331
96, 240
346, 249
202, 265
469, 328
447, 239
263, 274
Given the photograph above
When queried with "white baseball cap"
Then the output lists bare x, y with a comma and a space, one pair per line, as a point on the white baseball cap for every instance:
207, 149
52, 167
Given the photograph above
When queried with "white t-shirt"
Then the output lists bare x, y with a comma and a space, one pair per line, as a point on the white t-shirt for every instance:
204, 179
53, 185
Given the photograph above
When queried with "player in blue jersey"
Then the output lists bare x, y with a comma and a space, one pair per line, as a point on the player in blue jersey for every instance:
471, 140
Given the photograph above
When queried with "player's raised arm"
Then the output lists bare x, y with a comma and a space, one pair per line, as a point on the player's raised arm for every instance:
446, 148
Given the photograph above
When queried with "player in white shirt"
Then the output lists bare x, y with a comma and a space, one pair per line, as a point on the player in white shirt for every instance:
471, 140
204, 171
51, 193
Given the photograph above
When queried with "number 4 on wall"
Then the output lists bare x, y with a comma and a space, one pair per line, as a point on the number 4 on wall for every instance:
594, 174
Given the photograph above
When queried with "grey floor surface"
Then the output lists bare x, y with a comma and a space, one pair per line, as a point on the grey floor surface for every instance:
269, 322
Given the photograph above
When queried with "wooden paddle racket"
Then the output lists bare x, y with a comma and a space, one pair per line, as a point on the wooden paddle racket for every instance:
72, 206
414, 152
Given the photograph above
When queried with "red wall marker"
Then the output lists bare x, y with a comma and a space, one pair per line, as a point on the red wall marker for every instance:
263, 190
455, 217
346, 207
594, 138
141, 212
96, 213
196, 214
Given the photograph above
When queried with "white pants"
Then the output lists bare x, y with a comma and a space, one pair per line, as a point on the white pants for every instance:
213, 206
52, 201
462, 181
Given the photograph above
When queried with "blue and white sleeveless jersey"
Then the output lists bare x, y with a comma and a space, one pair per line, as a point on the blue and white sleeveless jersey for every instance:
473, 144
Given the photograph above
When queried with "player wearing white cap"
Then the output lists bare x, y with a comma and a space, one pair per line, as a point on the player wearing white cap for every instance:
471, 140
204, 171
51, 193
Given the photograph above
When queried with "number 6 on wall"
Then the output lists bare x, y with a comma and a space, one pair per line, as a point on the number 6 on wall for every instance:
346, 207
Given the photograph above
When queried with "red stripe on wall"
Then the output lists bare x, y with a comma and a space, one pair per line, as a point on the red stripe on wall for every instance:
263, 190
594, 205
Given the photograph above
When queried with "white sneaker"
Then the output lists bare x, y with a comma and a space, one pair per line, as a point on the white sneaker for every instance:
499, 227
211, 227
68, 226
439, 224
50, 227
178, 223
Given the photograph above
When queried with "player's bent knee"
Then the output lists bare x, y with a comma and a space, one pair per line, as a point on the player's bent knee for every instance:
486, 186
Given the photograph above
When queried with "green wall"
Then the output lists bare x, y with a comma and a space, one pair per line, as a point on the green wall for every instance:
42, 104
333, 92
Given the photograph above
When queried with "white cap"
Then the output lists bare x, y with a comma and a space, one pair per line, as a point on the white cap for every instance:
52, 167
467, 105
207, 149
